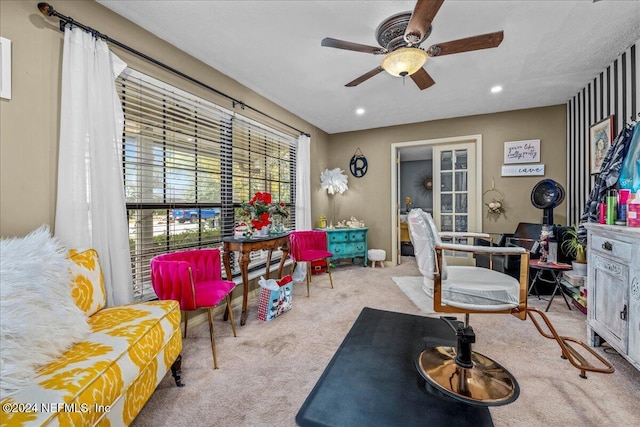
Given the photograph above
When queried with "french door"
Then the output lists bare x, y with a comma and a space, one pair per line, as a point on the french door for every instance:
455, 190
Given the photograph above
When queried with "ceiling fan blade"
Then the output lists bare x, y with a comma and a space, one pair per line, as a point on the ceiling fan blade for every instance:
357, 47
423, 14
365, 76
422, 79
484, 41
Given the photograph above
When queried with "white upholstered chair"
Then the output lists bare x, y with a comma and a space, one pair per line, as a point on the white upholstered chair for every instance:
460, 372
465, 289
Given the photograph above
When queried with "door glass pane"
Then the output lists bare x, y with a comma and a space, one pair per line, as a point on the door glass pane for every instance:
461, 159
446, 223
446, 161
461, 223
446, 203
446, 181
461, 181
461, 203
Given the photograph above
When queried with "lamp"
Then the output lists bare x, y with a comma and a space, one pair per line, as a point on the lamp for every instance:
404, 61
334, 181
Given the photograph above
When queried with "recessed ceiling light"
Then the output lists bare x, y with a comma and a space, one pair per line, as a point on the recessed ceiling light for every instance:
360, 111
496, 89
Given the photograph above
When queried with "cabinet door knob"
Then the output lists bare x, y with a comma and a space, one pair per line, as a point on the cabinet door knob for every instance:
607, 246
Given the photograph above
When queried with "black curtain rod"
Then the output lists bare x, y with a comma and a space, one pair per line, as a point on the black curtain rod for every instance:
48, 10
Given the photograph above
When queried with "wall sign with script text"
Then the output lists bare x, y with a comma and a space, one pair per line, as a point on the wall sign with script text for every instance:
523, 170
522, 151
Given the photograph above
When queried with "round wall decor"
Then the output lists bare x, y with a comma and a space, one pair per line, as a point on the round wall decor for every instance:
358, 164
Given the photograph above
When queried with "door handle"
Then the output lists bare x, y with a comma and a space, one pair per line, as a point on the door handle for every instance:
607, 246
623, 313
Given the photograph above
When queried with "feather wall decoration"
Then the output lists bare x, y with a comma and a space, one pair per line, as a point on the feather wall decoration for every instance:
334, 181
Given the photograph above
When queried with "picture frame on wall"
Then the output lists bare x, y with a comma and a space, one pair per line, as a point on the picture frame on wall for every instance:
600, 140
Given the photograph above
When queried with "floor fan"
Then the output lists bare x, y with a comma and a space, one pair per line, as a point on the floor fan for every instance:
546, 195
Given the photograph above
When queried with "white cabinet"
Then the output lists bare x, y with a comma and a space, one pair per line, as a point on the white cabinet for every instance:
613, 289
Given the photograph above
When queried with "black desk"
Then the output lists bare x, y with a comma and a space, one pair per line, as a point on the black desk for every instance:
372, 379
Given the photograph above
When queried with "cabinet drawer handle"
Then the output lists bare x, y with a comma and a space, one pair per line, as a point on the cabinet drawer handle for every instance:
607, 246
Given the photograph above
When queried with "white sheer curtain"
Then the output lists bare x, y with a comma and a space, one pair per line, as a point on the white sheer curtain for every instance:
303, 184
90, 209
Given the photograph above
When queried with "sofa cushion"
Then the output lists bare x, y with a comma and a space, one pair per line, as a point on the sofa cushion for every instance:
127, 343
87, 282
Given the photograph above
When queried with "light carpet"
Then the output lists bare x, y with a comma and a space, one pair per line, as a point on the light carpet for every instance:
267, 372
412, 288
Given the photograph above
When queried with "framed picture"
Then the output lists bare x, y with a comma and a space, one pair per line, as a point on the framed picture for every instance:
522, 151
600, 139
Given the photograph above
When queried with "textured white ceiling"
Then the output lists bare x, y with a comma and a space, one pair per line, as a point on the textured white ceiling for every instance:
551, 49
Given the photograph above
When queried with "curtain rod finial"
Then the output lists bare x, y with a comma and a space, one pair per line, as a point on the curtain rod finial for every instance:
45, 9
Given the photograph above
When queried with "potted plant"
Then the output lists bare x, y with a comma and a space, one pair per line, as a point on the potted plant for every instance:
573, 247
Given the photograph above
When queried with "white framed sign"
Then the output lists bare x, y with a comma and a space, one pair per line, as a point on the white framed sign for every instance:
523, 170
5, 68
522, 151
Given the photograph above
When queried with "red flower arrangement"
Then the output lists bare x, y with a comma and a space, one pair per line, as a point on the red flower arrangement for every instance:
260, 208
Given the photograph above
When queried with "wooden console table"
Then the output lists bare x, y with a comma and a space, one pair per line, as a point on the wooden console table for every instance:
245, 247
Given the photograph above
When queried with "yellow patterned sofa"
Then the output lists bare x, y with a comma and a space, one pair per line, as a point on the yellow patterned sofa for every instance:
106, 379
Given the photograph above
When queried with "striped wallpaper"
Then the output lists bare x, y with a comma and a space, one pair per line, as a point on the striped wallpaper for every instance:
615, 91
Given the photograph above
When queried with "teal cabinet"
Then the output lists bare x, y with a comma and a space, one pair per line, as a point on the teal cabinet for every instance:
347, 243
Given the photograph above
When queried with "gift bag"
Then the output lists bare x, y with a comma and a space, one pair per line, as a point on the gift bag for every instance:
275, 301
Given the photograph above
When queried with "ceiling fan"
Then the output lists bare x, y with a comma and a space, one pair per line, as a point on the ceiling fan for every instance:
400, 37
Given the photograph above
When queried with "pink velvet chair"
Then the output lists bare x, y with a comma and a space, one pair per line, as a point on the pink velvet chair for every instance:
193, 278
309, 246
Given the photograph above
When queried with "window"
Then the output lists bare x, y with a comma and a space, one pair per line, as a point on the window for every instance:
188, 165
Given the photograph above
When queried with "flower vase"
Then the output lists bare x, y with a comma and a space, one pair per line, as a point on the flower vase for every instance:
263, 232
277, 224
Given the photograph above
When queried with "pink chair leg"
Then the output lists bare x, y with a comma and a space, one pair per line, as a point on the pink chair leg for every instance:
213, 338
308, 277
230, 311
329, 271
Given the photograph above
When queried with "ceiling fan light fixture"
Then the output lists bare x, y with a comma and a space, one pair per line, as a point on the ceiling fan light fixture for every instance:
404, 61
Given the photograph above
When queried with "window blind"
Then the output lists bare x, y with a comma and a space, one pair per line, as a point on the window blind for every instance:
188, 167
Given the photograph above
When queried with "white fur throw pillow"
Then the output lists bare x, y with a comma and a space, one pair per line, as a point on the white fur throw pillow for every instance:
39, 320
